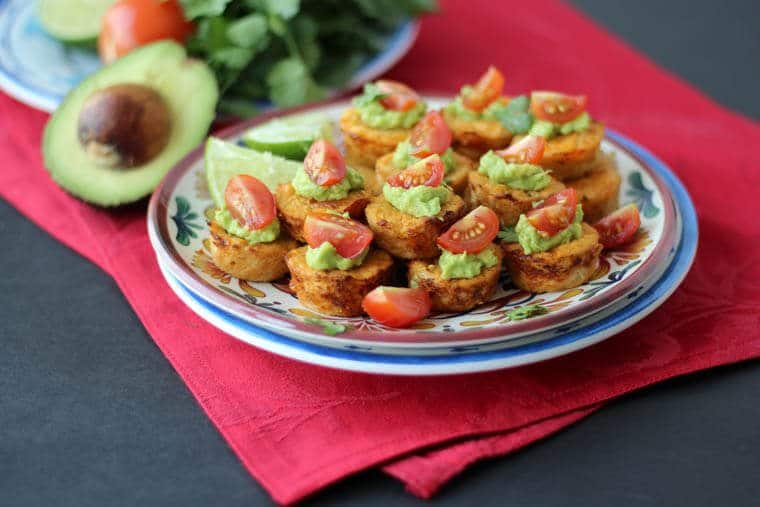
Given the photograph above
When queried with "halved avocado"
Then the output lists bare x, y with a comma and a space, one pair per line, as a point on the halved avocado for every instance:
98, 143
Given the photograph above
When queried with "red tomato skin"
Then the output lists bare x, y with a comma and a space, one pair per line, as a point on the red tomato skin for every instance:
431, 135
528, 150
324, 164
619, 227
132, 23
397, 306
555, 213
348, 236
557, 107
482, 220
400, 97
427, 172
249, 202
488, 88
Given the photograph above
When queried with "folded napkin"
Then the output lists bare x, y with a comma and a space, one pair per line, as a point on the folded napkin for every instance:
298, 427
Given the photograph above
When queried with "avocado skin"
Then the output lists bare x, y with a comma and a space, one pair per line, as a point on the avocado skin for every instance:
190, 91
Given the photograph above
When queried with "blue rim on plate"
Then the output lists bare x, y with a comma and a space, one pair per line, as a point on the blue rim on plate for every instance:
38, 70
576, 339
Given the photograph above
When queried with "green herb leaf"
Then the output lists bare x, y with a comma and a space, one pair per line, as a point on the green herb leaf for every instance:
291, 84
515, 116
329, 328
508, 234
197, 8
527, 311
249, 32
232, 57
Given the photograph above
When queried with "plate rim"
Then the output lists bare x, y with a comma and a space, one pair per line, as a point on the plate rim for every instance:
160, 240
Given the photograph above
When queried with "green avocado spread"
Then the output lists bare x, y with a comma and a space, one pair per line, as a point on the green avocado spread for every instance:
252, 236
326, 257
548, 129
376, 116
533, 241
421, 201
457, 108
520, 176
465, 265
307, 188
403, 158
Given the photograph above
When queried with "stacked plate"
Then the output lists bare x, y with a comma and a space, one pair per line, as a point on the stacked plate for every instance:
630, 283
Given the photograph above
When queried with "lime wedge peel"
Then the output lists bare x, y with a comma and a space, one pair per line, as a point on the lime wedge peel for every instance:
290, 137
72, 21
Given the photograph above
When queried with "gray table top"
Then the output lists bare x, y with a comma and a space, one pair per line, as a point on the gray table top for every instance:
91, 413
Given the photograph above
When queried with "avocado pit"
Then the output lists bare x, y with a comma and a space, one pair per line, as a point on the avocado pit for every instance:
124, 126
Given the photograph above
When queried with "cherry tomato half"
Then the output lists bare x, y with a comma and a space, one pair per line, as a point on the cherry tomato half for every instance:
324, 164
428, 172
132, 23
488, 88
430, 136
555, 213
527, 150
397, 306
249, 202
472, 233
349, 237
618, 227
399, 96
557, 107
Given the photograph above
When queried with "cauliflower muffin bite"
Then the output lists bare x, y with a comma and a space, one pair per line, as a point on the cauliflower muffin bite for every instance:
598, 190
509, 181
474, 116
381, 117
246, 240
323, 183
550, 248
430, 136
415, 207
337, 268
466, 273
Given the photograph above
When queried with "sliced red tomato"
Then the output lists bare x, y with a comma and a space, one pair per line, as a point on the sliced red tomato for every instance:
618, 227
527, 150
430, 136
488, 88
397, 306
324, 164
557, 107
349, 237
555, 213
428, 172
128, 24
472, 233
249, 202
399, 96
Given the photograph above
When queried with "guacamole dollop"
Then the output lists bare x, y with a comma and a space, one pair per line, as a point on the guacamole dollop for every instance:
307, 188
465, 265
266, 235
422, 201
325, 257
457, 108
403, 158
372, 112
548, 129
521, 176
533, 241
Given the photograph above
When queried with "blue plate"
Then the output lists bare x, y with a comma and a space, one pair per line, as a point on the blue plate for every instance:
39, 70
578, 335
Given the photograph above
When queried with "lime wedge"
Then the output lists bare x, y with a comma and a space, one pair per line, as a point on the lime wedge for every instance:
72, 21
291, 136
224, 160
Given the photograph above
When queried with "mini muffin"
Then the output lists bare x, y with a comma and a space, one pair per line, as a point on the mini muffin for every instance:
406, 236
573, 155
259, 262
508, 203
562, 267
457, 294
472, 138
456, 178
598, 190
324, 182
381, 117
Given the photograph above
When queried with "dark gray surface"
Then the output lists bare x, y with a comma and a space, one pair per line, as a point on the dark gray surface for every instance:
92, 414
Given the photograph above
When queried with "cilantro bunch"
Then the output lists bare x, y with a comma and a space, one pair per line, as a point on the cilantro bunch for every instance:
289, 51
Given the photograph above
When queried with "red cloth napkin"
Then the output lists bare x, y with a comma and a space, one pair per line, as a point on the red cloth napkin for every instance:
297, 427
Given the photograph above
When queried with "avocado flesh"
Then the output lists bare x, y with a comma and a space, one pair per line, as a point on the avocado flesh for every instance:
190, 91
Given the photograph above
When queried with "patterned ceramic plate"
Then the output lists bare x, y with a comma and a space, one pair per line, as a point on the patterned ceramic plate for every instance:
178, 232
39, 70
